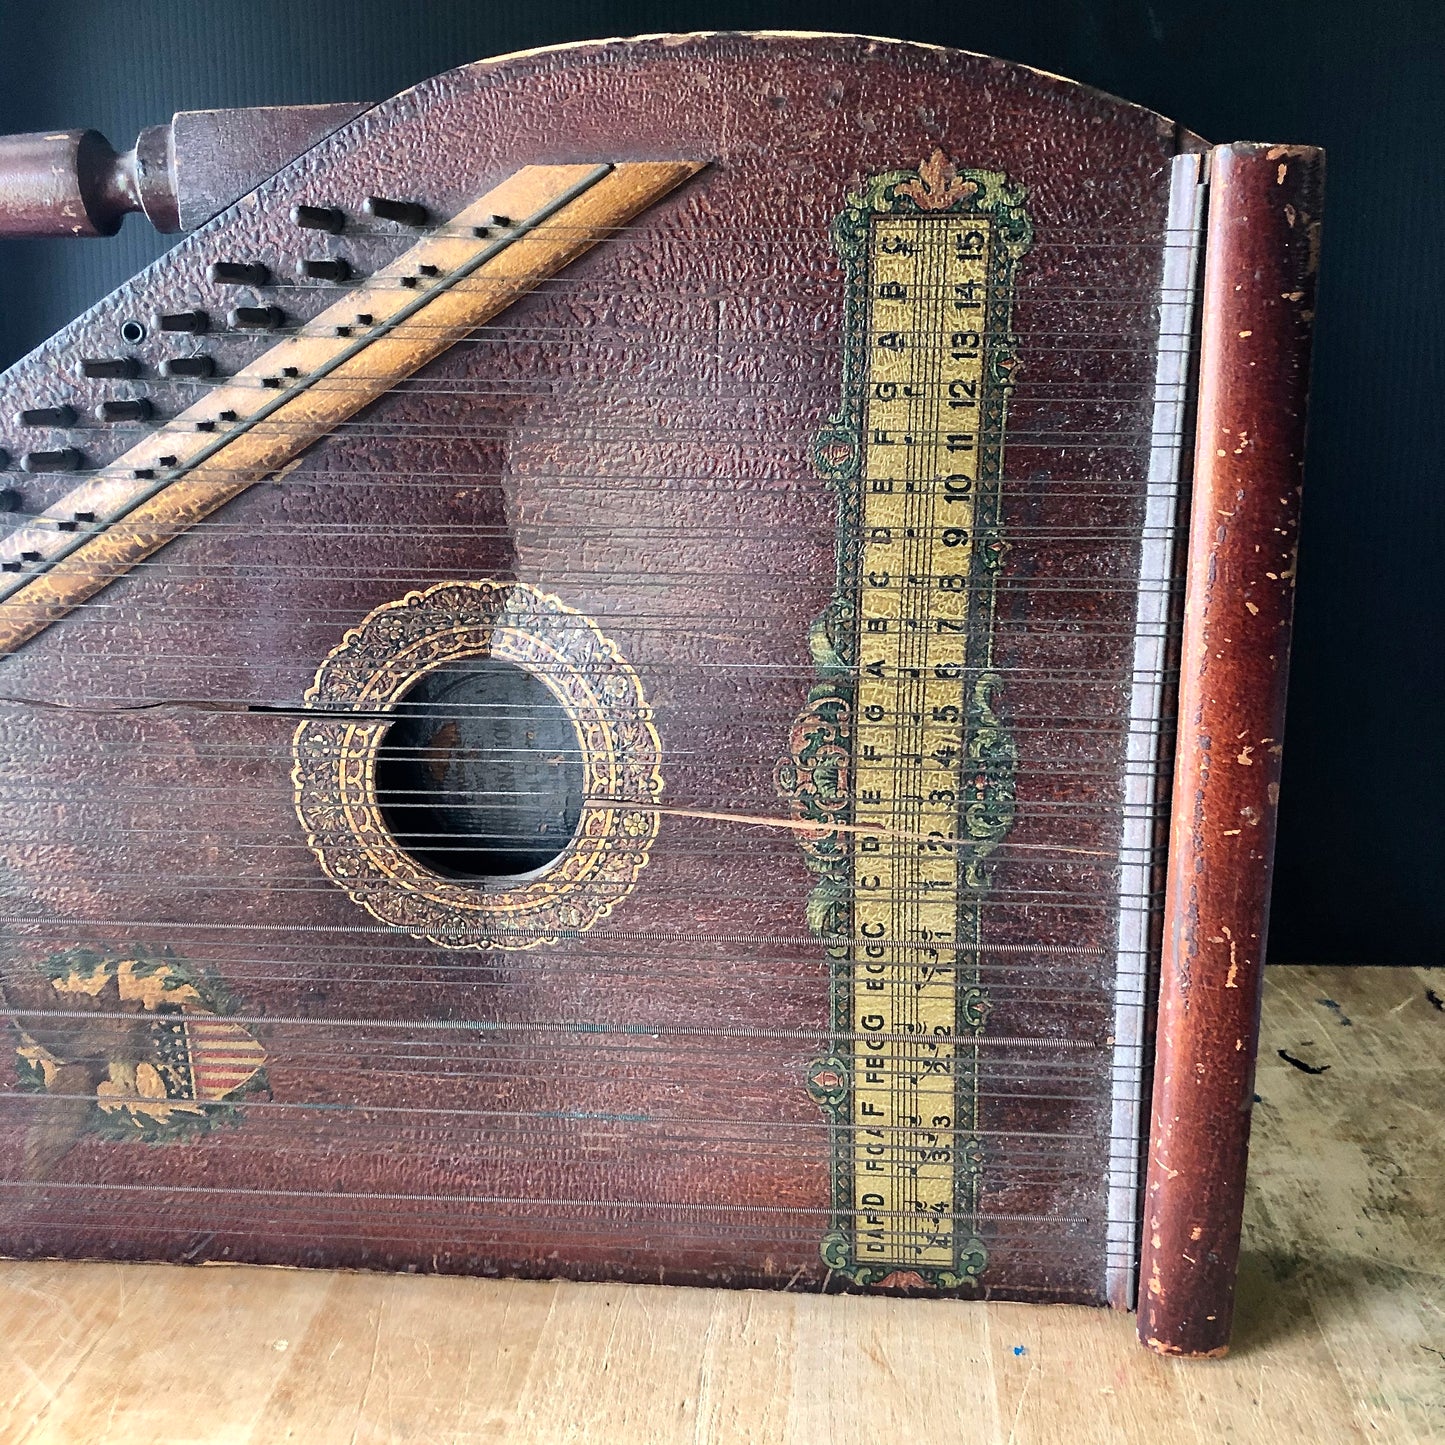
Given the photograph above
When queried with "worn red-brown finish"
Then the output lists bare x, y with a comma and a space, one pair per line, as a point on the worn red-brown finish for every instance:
219, 155
636, 438
1258, 300
64, 183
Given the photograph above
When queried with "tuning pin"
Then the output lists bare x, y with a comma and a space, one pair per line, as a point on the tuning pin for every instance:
114, 368
188, 367
47, 416
239, 273
67, 459
318, 218
193, 322
257, 318
405, 213
138, 410
327, 269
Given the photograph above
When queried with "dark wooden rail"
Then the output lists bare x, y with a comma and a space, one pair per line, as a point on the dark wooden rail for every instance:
1258, 299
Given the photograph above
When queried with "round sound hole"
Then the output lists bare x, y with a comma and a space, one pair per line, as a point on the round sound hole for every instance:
481, 776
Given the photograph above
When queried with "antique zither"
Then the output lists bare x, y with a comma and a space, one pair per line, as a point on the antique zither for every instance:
660, 660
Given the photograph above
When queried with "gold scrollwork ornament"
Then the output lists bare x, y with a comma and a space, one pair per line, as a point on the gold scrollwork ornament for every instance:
378, 663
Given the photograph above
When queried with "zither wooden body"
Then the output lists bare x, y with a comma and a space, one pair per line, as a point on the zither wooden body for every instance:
652, 663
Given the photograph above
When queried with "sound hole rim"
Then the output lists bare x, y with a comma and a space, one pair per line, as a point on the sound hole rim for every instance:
334, 772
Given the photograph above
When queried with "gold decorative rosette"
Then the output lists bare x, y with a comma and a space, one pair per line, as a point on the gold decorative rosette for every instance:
374, 668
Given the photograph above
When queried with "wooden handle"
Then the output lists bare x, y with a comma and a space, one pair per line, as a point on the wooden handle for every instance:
74, 183
64, 183
1258, 297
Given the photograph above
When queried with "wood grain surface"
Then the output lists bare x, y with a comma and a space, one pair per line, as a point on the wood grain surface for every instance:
1340, 1331
637, 440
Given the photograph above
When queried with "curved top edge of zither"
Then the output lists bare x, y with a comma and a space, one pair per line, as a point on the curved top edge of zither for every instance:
836, 41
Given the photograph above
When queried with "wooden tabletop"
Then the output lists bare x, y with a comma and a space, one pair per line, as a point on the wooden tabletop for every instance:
1341, 1330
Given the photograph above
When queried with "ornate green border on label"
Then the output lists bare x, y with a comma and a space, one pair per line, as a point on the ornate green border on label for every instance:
814, 778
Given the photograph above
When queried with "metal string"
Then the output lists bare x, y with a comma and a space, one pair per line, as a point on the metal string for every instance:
729, 1224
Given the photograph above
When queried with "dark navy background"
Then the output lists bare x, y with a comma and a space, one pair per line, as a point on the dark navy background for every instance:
1359, 876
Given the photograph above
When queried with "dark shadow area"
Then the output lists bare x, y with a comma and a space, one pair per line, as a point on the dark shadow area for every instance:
481, 777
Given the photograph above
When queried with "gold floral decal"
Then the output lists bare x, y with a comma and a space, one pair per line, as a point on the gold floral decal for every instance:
378, 663
938, 185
